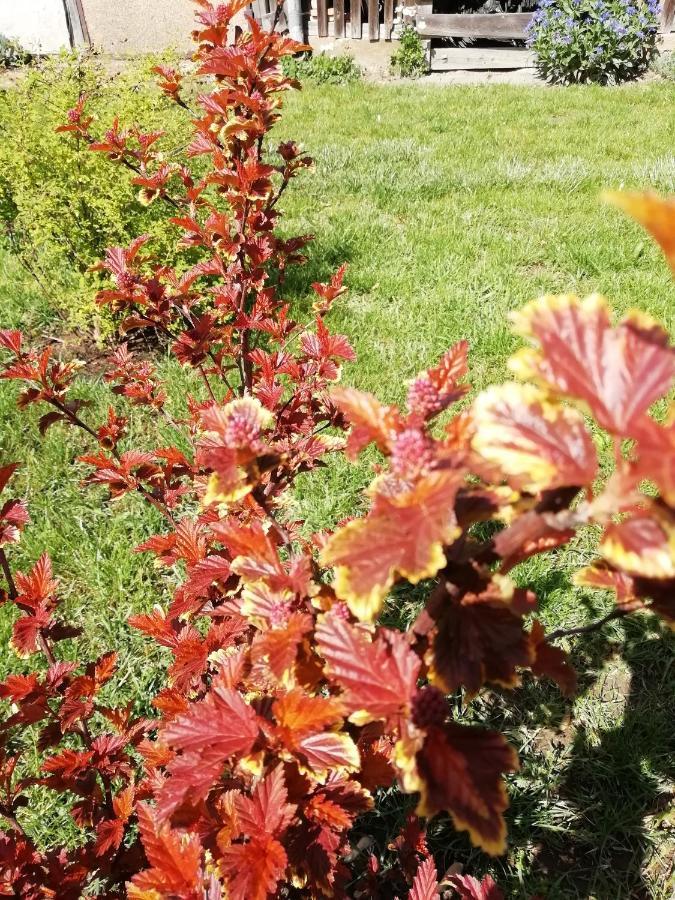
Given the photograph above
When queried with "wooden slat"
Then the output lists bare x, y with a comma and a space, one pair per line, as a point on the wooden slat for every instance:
668, 15
416, 11
498, 26
357, 27
447, 59
322, 17
264, 15
373, 20
339, 18
388, 19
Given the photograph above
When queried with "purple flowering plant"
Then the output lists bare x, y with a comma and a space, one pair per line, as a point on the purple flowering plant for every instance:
602, 41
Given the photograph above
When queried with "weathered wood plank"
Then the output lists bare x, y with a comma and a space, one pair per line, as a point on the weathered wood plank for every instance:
447, 59
373, 20
356, 21
322, 17
668, 15
411, 12
339, 18
263, 14
498, 26
388, 19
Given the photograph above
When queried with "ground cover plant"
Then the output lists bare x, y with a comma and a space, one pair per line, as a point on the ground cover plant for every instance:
424, 390
322, 68
579, 41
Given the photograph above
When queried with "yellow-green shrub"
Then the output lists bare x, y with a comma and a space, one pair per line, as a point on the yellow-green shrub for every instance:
59, 206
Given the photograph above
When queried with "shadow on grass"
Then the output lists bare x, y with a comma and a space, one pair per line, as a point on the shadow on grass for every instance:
322, 263
595, 780
621, 760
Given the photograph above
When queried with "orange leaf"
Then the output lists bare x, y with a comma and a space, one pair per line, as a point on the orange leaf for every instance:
654, 213
329, 751
378, 678
371, 421
299, 715
254, 869
175, 860
403, 535
642, 545
539, 445
618, 372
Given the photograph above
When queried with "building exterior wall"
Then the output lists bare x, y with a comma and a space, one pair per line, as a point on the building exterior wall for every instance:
124, 27
38, 25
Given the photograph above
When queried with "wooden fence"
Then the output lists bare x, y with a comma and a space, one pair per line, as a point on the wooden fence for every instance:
355, 19
374, 20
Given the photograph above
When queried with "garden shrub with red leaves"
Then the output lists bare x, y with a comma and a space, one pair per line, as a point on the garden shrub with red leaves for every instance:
286, 706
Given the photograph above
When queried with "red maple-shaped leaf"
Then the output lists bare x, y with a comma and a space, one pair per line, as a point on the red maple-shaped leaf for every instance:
13, 518
655, 456
642, 544
403, 535
470, 888
175, 861
618, 372
324, 346
425, 885
371, 421
267, 810
11, 340
434, 390
460, 769
37, 585
109, 835
328, 292
538, 445
221, 724
532, 533
378, 678
253, 869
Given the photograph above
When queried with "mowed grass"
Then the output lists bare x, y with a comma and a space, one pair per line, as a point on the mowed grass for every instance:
452, 207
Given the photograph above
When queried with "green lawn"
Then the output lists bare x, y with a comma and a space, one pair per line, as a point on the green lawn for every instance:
452, 206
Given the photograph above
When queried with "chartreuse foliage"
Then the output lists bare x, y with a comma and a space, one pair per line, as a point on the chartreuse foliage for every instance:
287, 706
59, 207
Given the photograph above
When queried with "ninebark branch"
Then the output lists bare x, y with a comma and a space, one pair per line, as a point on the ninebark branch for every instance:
616, 613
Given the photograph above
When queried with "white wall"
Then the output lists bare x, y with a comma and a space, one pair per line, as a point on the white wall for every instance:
136, 26
38, 25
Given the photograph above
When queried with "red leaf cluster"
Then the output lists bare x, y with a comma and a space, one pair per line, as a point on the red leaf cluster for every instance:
285, 705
